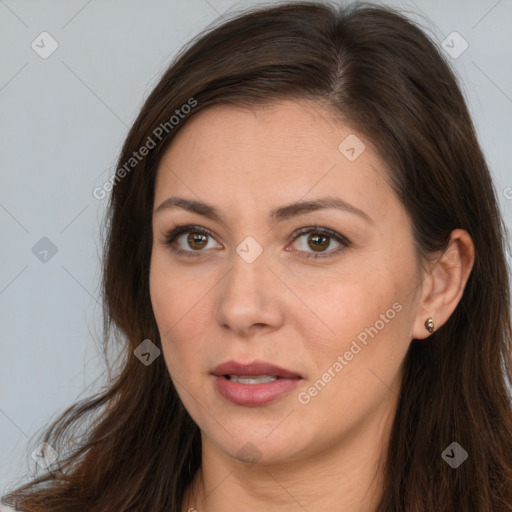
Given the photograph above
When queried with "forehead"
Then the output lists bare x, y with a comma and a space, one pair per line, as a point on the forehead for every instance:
274, 153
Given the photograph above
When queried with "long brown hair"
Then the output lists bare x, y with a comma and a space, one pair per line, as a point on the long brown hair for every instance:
133, 446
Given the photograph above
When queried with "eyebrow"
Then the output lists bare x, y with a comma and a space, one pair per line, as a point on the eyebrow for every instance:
277, 215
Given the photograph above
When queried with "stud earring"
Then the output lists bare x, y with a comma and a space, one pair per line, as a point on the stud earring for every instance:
429, 324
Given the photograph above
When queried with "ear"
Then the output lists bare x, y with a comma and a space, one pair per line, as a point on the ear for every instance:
444, 284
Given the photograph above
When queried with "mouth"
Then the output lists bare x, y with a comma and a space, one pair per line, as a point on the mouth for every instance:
253, 384
260, 379
256, 370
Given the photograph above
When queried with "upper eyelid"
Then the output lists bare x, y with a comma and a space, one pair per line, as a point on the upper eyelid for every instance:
297, 233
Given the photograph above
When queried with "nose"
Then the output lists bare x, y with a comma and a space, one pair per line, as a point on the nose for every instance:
250, 297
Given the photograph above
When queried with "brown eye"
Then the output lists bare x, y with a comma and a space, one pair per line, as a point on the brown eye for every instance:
197, 240
193, 244
316, 245
318, 241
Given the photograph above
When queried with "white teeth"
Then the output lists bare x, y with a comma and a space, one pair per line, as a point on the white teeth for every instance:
260, 379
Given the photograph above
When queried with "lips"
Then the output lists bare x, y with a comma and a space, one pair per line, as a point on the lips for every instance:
253, 384
254, 369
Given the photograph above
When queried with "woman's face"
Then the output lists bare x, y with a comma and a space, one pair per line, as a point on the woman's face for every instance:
252, 291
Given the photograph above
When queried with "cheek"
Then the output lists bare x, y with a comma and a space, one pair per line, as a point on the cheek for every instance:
365, 316
180, 309
182, 322
173, 296
349, 303
357, 366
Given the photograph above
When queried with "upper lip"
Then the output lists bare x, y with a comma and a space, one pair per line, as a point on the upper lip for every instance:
253, 369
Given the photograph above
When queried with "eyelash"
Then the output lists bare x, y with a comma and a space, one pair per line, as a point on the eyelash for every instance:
179, 230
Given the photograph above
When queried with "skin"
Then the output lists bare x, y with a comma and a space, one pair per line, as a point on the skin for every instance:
297, 313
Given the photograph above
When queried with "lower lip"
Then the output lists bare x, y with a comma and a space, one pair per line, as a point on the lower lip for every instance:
253, 395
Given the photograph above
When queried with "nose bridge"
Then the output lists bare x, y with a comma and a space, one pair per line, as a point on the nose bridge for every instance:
248, 271
247, 296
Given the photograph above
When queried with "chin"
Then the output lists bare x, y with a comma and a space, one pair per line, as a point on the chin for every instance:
256, 442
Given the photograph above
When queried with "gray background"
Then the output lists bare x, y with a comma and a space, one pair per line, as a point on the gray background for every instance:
63, 120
